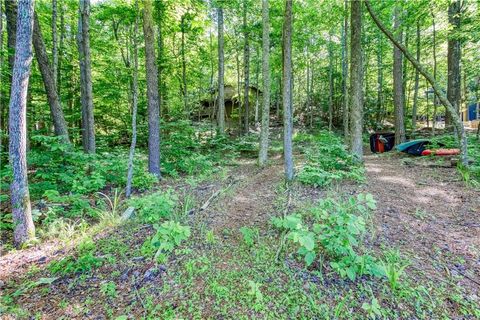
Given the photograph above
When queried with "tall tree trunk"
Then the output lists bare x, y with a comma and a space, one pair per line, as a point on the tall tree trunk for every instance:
330, 81
83, 38
356, 79
287, 92
133, 144
308, 91
263, 154
345, 102
257, 73
160, 59
398, 94
239, 95
380, 80
457, 122
2, 111
246, 65
48, 76
453, 59
184, 68
54, 42
221, 74
417, 78
20, 197
152, 92
434, 45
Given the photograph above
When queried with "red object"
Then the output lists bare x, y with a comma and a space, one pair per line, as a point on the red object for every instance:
380, 146
441, 152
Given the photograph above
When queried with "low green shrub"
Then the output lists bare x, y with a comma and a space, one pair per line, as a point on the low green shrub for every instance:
335, 232
154, 207
169, 235
327, 160
86, 260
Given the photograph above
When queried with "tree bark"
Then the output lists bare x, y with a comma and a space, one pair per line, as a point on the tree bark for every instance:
287, 92
417, 78
246, 65
61, 48
2, 111
434, 45
152, 92
453, 59
133, 144
20, 197
86, 95
438, 91
263, 153
48, 76
345, 104
221, 74
398, 93
356, 79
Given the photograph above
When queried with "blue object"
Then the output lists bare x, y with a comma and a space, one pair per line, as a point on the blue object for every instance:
472, 112
406, 145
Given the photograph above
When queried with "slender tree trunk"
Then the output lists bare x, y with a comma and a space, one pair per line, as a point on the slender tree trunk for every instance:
54, 42
88, 124
417, 79
398, 94
307, 106
59, 123
437, 89
453, 59
380, 80
246, 65
161, 62
184, 69
133, 144
345, 104
237, 60
356, 79
434, 44
263, 154
257, 72
21, 208
287, 92
330, 81
2, 111
221, 74
152, 92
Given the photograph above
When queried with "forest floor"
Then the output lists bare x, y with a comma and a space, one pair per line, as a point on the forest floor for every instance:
423, 209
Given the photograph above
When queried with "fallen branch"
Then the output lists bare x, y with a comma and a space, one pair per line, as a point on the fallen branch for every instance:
215, 195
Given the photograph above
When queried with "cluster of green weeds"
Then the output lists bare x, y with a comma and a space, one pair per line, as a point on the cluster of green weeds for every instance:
327, 160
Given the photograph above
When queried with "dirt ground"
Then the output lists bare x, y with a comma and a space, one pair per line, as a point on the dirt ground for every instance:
427, 211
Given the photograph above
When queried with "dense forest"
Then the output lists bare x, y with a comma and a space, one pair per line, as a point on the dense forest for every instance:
212, 159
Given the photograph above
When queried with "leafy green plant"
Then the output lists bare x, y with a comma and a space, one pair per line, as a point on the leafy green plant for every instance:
170, 234
327, 160
249, 235
394, 268
155, 207
86, 260
109, 289
336, 232
373, 309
